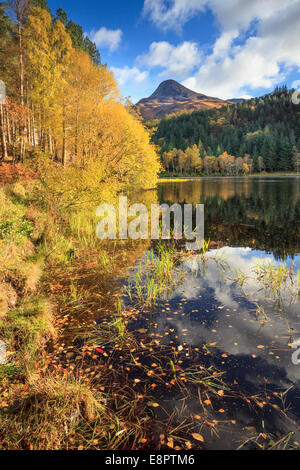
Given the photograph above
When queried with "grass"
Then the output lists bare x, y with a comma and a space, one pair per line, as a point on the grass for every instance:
64, 413
42, 405
281, 282
56, 390
114, 333
157, 274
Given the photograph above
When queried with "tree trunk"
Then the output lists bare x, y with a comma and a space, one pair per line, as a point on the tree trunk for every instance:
20, 46
64, 147
3, 133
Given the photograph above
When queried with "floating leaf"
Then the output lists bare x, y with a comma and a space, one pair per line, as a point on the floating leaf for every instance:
99, 350
170, 443
153, 404
198, 437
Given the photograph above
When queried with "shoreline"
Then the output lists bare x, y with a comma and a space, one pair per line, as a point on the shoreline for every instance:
164, 179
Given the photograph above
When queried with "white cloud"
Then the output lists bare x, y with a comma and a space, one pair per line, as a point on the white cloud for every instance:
296, 85
261, 62
127, 74
174, 16
106, 38
231, 14
177, 61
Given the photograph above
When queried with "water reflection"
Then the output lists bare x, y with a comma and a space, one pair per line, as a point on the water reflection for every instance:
213, 309
220, 313
208, 311
263, 213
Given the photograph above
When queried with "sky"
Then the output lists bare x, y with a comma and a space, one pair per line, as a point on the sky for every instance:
222, 48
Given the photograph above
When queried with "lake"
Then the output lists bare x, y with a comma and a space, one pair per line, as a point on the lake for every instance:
235, 309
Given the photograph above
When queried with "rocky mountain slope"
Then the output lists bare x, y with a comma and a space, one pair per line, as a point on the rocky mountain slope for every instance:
171, 97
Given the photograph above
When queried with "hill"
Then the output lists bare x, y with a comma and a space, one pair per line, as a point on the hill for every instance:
265, 130
171, 97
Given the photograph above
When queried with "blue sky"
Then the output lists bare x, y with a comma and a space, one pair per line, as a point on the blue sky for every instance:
223, 48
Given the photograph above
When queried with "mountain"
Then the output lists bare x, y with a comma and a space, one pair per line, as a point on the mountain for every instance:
265, 129
171, 97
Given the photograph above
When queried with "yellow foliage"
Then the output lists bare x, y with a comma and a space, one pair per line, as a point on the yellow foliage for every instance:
118, 157
97, 148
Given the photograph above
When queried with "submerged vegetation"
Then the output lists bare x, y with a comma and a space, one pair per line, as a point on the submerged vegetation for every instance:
156, 276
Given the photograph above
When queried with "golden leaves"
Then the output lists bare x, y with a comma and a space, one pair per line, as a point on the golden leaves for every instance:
153, 404
198, 437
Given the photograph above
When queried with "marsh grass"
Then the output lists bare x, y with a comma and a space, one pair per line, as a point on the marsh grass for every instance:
157, 274
113, 333
27, 329
66, 413
275, 278
280, 285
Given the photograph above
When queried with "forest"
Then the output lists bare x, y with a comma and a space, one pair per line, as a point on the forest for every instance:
63, 113
261, 134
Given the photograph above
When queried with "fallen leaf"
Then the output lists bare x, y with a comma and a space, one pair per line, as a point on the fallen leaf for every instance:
198, 437
153, 404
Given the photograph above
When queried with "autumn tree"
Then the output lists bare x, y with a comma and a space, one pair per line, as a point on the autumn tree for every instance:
19, 10
48, 50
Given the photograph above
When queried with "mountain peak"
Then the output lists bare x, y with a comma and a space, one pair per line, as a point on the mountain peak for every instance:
172, 89
171, 97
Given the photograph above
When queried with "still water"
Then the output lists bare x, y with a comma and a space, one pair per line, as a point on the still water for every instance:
224, 311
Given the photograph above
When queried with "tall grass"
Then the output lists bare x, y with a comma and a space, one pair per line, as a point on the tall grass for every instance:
154, 278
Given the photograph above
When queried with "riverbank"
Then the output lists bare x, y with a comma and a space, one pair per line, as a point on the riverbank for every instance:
163, 179
88, 365
54, 283
72, 375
